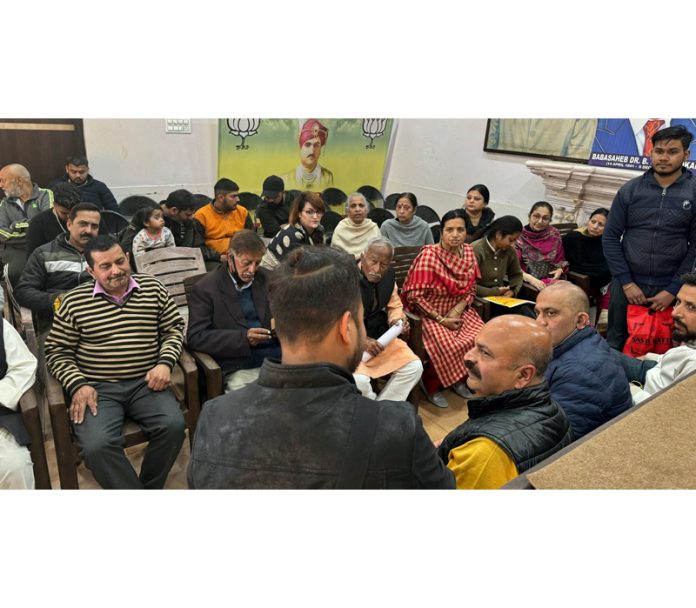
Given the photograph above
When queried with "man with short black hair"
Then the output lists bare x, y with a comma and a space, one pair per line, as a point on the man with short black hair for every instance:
58, 266
513, 421
219, 220
303, 423
584, 376
650, 237
272, 212
46, 226
23, 201
656, 372
92, 190
112, 346
229, 316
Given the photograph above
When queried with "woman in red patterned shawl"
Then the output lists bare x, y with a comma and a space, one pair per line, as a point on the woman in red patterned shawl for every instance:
440, 286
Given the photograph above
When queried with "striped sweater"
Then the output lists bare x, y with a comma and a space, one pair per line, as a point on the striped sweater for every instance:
95, 340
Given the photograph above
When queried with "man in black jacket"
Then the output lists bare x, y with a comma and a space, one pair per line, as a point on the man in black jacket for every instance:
303, 423
58, 266
273, 211
92, 190
513, 422
50, 223
229, 316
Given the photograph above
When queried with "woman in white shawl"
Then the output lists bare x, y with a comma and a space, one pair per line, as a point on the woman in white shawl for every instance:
356, 229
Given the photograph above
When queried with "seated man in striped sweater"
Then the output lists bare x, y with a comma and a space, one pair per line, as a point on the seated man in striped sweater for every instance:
112, 346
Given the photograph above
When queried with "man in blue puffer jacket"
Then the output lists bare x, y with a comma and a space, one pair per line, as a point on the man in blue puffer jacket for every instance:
584, 375
650, 237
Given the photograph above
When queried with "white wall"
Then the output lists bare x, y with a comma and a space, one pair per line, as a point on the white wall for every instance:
136, 156
437, 159
440, 159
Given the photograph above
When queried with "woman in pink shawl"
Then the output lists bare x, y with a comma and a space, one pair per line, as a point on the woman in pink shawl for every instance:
539, 248
440, 286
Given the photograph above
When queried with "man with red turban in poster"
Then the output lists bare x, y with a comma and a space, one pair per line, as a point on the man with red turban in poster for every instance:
309, 175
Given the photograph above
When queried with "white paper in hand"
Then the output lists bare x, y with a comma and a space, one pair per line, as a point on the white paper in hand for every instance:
393, 332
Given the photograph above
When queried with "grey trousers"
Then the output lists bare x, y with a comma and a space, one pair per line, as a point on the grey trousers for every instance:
101, 442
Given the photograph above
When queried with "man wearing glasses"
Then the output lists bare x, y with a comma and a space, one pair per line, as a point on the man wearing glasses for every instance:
219, 220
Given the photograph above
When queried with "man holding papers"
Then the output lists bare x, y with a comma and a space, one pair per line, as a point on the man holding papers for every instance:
383, 309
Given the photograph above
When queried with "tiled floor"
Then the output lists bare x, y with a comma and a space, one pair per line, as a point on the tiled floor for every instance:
437, 422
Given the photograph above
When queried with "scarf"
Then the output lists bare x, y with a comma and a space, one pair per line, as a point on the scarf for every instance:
352, 237
413, 234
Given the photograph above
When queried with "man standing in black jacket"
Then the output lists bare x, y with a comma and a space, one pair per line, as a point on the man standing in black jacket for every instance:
303, 423
513, 422
92, 190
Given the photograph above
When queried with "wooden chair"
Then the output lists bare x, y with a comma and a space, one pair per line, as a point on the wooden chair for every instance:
22, 319
29, 405
401, 262
184, 386
565, 228
171, 265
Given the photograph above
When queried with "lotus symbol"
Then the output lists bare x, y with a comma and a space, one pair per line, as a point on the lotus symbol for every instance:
373, 127
243, 127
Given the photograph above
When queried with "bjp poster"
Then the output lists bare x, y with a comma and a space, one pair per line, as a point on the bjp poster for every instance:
307, 153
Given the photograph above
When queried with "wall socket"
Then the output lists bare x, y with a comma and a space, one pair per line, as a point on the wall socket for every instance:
178, 125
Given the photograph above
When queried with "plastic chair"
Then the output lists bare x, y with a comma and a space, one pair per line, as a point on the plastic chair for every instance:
390, 201
115, 223
131, 204
379, 215
329, 221
249, 200
429, 215
333, 197
373, 196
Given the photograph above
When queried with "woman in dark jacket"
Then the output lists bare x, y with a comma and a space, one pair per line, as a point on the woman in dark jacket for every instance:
478, 215
304, 229
583, 251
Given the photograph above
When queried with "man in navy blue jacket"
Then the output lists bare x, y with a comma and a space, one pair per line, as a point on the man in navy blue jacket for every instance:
91, 190
650, 237
585, 377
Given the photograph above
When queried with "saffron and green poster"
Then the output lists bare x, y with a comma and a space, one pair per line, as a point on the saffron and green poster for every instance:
308, 153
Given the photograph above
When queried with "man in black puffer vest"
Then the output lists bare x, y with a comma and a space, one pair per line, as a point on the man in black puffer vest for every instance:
513, 422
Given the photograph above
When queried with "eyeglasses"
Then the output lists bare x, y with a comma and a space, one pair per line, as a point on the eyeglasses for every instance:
313, 212
541, 218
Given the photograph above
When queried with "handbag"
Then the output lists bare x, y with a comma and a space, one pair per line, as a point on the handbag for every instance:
649, 331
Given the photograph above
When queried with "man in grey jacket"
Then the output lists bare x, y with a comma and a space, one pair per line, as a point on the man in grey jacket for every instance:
23, 200
303, 423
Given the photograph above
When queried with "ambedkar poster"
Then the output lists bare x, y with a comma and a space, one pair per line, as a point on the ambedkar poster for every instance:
625, 143
308, 153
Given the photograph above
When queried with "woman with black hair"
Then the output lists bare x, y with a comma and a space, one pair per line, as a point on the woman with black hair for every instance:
478, 215
501, 274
